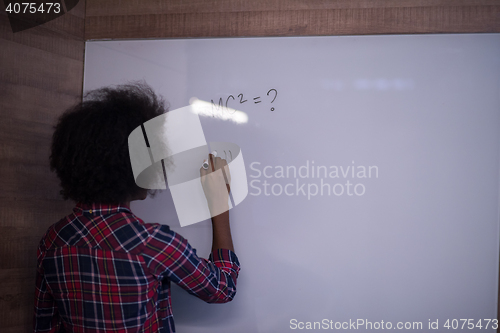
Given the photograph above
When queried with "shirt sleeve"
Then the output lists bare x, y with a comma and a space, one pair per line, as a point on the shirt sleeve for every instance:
45, 317
169, 255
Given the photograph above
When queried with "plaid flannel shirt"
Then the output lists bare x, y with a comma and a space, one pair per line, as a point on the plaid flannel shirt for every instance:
102, 269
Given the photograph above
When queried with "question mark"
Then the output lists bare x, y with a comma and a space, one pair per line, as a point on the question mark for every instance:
276, 94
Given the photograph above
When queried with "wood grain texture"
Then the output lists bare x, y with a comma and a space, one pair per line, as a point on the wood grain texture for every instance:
130, 19
141, 7
41, 76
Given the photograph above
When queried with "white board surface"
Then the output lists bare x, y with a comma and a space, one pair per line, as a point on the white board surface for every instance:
410, 236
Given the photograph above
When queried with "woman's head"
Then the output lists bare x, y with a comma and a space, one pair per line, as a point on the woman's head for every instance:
89, 150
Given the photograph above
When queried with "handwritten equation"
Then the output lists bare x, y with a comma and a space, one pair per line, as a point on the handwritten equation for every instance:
241, 99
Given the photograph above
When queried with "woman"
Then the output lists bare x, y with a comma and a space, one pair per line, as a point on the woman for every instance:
101, 268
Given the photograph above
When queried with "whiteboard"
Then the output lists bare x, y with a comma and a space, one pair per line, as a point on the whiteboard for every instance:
373, 175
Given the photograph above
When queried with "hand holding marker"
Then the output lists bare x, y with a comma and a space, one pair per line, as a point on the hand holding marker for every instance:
215, 172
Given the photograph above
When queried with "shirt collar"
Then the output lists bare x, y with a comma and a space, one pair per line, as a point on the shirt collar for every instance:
100, 208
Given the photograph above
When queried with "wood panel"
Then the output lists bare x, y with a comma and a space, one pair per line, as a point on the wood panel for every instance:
135, 7
117, 19
42, 75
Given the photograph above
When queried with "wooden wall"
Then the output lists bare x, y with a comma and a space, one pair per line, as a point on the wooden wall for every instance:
229, 18
41, 75
42, 69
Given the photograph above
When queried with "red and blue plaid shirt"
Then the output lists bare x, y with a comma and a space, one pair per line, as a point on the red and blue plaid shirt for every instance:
102, 269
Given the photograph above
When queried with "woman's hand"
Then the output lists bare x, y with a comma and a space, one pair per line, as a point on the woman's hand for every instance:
216, 181
213, 180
